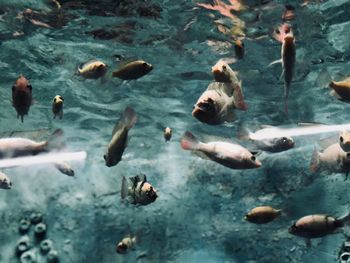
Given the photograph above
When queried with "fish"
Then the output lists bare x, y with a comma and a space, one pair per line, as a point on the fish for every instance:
223, 73
239, 49
262, 214
126, 244
318, 225
119, 139
64, 168
333, 159
133, 70
17, 147
22, 96
228, 154
341, 89
57, 106
344, 140
273, 145
138, 191
216, 104
167, 134
93, 69
288, 54
5, 182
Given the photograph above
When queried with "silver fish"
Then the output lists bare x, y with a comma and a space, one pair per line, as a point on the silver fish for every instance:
314, 226
138, 190
119, 139
228, 154
5, 182
126, 244
93, 69
16, 147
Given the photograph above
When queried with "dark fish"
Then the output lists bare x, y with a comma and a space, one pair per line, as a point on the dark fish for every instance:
57, 106
133, 70
119, 139
262, 214
22, 96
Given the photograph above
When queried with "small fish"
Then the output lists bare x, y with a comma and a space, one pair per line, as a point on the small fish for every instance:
223, 73
138, 191
5, 182
344, 140
57, 106
239, 49
288, 53
133, 70
341, 89
273, 145
333, 159
216, 104
22, 96
227, 154
119, 139
314, 226
64, 168
262, 214
93, 69
16, 147
167, 134
126, 244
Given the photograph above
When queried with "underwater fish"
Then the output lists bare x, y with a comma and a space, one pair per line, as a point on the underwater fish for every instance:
16, 147
126, 244
57, 106
272, 145
215, 105
262, 214
64, 168
333, 159
133, 70
314, 226
223, 73
5, 182
93, 69
227, 154
167, 134
288, 53
119, 139
138, 191
341, 89
344, 140
239, 49
22, 96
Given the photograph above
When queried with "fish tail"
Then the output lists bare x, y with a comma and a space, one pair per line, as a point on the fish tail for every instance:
239, 99
189, 141
129, 117
125, 188
344, 220
55, 141
286, 95
243, 133
315, 161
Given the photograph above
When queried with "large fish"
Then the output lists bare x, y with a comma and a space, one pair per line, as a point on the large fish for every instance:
228, 154
119, 139
16, 147
288, 53
21, 96
262, 214
133, 70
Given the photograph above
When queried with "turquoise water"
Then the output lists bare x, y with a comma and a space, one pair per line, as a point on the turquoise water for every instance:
198, 216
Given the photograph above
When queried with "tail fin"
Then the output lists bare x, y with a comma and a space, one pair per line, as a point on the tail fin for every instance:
129, 117
345, 220
238, 98
55, 141
315, 161
189, 142
286, 95
243, 133
125, 188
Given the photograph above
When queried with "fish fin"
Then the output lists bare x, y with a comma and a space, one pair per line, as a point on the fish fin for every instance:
315, 161
55, 140
125, 188
334, 94
141, 178
275, 62
127, 120
228, 60
326, 142
345, 219
281, 76
189, 141
243, 133
323, 79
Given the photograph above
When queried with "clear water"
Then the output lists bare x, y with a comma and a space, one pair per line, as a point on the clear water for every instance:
198, 216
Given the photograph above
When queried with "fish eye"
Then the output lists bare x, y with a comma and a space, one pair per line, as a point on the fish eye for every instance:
348, 155
341, 139
253, 158
55, 99
144, 64
224, 68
